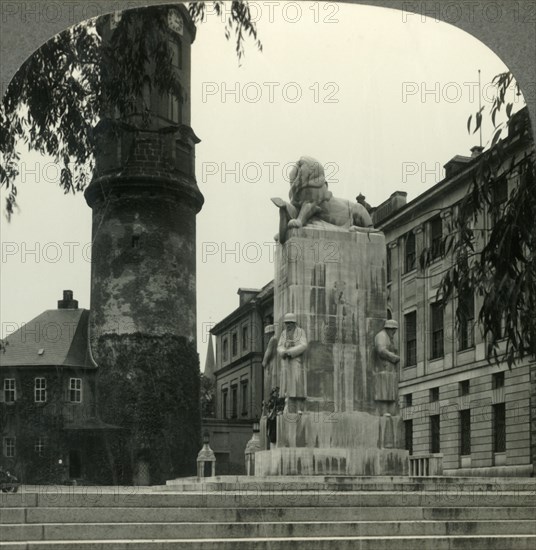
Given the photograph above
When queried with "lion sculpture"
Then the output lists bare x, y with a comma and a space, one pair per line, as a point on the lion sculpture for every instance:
311, 201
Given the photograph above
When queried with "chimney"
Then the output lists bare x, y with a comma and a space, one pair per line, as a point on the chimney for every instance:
67, 302
476, 150
247, 294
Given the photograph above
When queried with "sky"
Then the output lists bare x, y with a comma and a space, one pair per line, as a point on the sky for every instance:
379, 97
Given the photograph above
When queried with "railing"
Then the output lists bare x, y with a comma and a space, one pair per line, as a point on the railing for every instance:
426, 465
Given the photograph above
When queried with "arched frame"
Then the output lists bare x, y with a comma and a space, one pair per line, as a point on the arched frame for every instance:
508, 27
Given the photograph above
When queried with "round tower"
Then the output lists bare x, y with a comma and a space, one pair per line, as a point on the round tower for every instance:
144, 198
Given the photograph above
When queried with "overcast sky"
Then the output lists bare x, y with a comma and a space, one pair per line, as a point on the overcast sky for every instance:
381, 98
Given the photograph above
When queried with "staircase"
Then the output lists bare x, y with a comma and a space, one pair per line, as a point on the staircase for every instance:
276, 513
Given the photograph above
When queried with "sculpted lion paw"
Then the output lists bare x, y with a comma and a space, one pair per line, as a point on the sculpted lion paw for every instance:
294, 224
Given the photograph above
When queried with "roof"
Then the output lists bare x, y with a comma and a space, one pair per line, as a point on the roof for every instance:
57, 337
262, 294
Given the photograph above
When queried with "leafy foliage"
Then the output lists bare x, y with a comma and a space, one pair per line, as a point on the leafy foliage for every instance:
491, 241
150, 387
59, 94
238, 21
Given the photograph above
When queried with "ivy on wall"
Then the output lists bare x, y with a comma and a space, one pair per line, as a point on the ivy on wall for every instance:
29, 421
150, 387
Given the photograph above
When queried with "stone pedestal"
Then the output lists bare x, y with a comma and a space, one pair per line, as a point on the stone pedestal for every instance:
335, 282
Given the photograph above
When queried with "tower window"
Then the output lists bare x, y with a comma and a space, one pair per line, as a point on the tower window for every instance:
176, 53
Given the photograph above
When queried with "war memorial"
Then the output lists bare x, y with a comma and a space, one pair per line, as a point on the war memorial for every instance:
333, 364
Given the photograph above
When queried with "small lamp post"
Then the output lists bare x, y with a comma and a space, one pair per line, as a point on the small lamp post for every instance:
206, 454
253, 445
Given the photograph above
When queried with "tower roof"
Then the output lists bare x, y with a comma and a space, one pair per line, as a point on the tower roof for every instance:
210, 362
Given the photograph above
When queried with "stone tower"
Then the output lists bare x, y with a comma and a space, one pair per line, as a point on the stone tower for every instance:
145, 198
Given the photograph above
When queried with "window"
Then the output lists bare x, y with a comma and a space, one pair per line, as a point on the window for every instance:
75, 390
466, 316
9, 447
234, 401
410, 252
410, 333
173, 108
436, 318
388, 267
465, 432
225, 346
224, 403
434, 395
244, 397
176, 57
434, 434
244, 338
40, 390
499, 428
500, 197
436, 237
235, 343
497, 381
39, 446
9, 390
408, 400
464, 387
408, 435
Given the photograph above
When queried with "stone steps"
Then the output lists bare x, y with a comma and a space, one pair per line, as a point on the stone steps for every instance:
274, 514
43, 515
499, 542
258, 530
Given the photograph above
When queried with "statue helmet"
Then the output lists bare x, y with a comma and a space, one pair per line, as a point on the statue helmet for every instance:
268, 329
289, 318
390, 323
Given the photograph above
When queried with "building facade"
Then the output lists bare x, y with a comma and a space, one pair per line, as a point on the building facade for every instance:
49, 425
457, 405
238, 377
